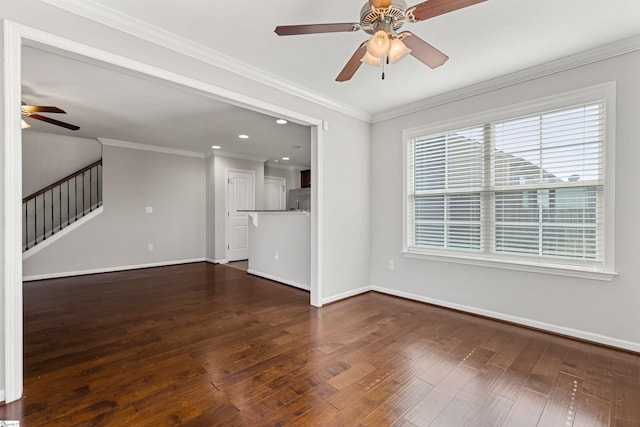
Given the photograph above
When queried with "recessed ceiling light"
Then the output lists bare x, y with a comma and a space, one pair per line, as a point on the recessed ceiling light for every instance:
285, 158
215, 147
276, 161
243, 136
281, 122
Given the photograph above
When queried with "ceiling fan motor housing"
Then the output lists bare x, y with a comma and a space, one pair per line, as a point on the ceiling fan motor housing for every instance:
388, 18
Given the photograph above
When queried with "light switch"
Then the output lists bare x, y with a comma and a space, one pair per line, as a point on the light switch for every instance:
148, 209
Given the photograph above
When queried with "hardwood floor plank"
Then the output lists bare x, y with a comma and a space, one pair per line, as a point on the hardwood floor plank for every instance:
493, 412
400, 402
511, 383
625, 407
428, 409
471, 399
562, 403
204, 345
526, 410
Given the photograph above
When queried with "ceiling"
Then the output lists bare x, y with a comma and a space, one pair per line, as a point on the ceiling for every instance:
484, 41
116, 104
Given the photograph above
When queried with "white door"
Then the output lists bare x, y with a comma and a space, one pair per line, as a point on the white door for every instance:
274, 193
240, 196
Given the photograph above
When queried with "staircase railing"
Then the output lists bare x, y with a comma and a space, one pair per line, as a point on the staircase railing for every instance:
60, 204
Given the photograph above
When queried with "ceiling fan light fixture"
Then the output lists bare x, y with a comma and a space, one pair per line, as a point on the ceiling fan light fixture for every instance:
398, 51
25, 125
370, 59
379, 44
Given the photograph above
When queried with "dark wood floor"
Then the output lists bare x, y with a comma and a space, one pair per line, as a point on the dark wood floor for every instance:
204, 345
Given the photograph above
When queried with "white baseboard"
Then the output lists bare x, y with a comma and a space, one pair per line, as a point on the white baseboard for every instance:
220, 261
561, 330
279, 279
109, 269
347, 295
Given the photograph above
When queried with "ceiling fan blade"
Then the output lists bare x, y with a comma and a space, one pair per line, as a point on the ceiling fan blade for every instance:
292, 30
353, 64
41, 109
380, 3
423, 51
52, 121
431, 8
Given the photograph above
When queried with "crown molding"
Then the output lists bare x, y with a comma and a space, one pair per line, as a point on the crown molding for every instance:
240, 156
142, 30
294, 168
147, 147
601, 53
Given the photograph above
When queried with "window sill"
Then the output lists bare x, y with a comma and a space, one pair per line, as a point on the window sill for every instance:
518, 265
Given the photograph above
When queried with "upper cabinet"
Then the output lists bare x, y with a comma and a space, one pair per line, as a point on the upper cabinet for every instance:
305, 178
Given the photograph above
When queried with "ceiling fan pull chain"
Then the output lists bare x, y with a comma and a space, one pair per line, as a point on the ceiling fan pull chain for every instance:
383, 61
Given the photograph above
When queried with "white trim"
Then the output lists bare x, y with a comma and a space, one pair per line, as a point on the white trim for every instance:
221, 261
286, 167
240, 156
517, 265
317, 216
2, 395
569, 332
602, 53
16, 34
147, 147
109, 269
158, 36
40, 246
279, 279
12, 146
346, 295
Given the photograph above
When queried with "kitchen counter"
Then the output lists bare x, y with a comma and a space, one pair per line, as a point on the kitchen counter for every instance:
280, 246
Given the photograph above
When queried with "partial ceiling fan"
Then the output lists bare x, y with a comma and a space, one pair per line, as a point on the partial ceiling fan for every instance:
31, 111
383, 19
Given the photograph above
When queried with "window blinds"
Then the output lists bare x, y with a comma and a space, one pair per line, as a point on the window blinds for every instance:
526, 186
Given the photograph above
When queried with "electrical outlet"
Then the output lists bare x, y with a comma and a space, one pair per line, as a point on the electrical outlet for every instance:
150, 246
392, 264
276, 256
148, 209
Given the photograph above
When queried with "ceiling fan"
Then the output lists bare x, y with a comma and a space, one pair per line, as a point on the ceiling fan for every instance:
383, 19
31, 110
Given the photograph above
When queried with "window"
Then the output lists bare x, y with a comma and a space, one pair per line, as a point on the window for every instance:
513, 188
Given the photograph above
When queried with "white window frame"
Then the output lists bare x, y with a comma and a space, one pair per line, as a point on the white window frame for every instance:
606, 272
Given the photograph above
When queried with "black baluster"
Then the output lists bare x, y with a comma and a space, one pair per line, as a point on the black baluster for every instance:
52, 222
75, 200
60, 207
35, 220
84, 203
68, 198
26, 225
90, 189
44, 217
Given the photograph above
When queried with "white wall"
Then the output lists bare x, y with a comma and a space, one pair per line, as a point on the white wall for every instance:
174, 186
601, 311
48, 157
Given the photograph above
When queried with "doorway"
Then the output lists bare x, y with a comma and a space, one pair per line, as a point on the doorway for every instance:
15, 35
275, 193
240, 198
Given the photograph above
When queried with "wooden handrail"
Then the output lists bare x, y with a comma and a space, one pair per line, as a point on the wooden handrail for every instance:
60, 181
